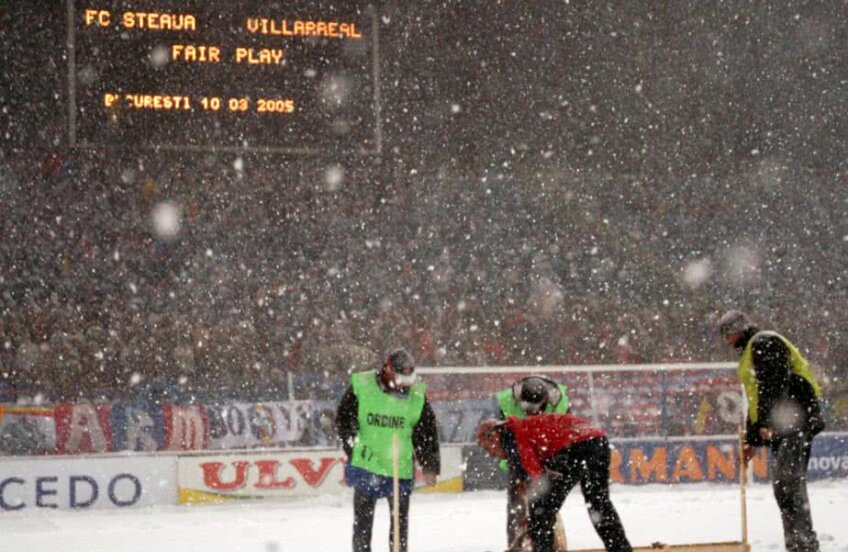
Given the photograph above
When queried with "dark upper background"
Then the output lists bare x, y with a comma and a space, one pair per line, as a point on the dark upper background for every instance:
561, 182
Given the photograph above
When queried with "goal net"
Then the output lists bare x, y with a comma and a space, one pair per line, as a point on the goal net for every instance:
628, 401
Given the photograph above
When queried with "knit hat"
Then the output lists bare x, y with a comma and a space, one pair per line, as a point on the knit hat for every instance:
734, 321
401, 362
534, 390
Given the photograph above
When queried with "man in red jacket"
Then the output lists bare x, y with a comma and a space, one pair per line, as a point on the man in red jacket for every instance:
554, 452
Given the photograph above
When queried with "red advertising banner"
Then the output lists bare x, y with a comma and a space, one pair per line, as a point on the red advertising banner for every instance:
186, 427
83, 428
223, 477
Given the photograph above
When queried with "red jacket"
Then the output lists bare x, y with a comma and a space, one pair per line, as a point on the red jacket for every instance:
538, 438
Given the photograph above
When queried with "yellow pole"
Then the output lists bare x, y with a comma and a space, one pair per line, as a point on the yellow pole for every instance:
395, 495
743, 479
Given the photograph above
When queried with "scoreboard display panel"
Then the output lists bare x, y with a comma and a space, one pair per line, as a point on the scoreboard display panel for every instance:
279, 76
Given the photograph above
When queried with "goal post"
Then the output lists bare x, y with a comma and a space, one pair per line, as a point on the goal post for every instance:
627, 400
634, 403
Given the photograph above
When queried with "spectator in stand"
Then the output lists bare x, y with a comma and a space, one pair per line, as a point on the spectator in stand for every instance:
82, 238
783, 413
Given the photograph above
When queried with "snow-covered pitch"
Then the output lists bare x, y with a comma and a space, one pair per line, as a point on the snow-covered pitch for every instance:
468, 522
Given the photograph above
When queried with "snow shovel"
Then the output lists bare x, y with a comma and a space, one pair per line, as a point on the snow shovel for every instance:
732, 546
522, 542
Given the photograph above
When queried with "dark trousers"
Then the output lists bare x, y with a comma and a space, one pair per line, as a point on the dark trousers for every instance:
789, 459
587, 463
363, 521
516, 509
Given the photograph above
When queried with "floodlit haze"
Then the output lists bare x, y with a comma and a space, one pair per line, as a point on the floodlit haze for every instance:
488, 184
221, 210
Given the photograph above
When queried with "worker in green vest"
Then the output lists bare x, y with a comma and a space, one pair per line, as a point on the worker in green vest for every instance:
526, 397
377, 405
784, 413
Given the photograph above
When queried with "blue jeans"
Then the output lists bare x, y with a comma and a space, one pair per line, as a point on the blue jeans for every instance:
368, 488
376, 486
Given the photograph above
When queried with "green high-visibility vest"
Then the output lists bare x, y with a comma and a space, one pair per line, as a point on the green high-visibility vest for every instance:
380, 416
748, 377
511, 407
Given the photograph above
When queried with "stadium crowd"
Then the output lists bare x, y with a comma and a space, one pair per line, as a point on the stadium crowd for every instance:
309, 277
596, 191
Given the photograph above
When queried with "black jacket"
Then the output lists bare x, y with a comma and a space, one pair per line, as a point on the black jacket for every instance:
798, 407
425, 434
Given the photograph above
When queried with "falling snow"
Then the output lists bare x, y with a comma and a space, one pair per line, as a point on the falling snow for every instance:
487, 184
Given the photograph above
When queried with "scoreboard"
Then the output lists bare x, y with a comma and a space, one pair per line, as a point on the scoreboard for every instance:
297, 77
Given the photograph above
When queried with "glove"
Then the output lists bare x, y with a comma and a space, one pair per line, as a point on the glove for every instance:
748, 452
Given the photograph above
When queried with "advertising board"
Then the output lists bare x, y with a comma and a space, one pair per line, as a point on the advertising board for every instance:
216, 478
87, 482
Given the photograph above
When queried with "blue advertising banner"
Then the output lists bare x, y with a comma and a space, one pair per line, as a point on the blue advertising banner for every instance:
829, 458
137, 427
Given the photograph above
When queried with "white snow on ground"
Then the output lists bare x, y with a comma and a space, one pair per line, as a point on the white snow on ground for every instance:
469, 522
